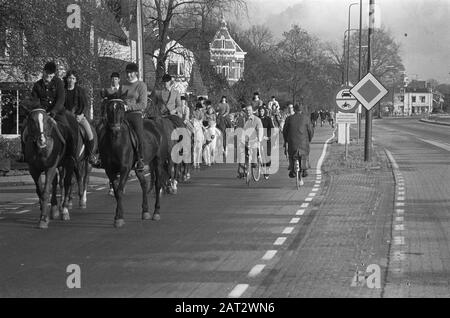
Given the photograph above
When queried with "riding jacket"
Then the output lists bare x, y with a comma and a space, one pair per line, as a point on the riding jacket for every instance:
49, 96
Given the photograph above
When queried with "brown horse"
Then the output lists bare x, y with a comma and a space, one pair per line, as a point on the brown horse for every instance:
46, 150
116, 145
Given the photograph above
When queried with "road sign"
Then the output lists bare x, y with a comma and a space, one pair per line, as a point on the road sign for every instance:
345, 100
346, 118
369, 91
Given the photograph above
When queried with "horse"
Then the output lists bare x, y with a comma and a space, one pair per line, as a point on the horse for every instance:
198, 141
213, 138
82, 168
169, 125
117, 153
46, 150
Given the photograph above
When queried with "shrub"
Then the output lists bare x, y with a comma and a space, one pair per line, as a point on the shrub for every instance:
10, 148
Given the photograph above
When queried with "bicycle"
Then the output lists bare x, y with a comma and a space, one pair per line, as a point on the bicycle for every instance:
255, 168
298, 176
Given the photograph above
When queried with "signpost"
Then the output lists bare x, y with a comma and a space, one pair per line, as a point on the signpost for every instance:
345, 101
347, 104
369, 91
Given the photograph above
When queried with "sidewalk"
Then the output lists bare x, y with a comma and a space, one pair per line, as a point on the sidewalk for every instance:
350, 229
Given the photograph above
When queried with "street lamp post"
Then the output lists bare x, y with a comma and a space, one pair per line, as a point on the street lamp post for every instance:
347, 55
348, 39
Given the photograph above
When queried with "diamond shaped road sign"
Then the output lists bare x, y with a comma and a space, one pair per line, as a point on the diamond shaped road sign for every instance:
369, 91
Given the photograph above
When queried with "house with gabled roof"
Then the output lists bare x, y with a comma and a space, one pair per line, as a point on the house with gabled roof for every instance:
226, 55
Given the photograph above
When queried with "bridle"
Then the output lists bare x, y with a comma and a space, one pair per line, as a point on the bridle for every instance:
41, 139
115, 126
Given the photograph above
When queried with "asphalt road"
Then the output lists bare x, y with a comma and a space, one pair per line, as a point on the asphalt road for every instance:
219, 238
420, 260
212, 235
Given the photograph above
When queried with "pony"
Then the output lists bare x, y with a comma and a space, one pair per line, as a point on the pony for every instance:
46, 149
117, 153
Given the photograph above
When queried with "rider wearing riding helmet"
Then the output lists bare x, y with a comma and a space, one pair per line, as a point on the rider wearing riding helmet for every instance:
48, 93
135, 97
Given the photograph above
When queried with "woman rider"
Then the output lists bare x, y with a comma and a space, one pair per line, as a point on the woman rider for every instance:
136, 100
76, 102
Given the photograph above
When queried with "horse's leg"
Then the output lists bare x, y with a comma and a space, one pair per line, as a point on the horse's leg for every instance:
45, 195
36, 175
81, 171
141, 177
118, 192
69, 169
85, 175
54, 215
157, 170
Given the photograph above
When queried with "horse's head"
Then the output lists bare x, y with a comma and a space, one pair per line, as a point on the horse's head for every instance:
39, 125
115, 113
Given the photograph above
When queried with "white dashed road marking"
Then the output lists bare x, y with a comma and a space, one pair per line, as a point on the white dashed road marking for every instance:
269, 255
256, 270
280, 241
238, 291
288, 230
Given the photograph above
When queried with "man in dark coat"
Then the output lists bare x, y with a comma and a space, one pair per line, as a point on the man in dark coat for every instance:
298, 133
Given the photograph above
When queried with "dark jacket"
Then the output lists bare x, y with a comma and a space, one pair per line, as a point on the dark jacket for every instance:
50, 97
298, 133
79, 103
267, 124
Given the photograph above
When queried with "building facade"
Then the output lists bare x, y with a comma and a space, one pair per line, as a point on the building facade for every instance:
227, 57
414, 99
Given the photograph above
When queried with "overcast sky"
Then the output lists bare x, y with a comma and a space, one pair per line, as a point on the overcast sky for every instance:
422, 27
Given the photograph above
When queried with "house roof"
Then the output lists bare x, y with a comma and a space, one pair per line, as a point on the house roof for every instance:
224, 35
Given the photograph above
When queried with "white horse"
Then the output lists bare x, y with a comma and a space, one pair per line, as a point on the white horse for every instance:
199, 140
213, 140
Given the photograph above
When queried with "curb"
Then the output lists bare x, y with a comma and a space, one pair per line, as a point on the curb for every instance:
433, 122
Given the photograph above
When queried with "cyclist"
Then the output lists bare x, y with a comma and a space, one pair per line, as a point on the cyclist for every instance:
253, 135
298, 133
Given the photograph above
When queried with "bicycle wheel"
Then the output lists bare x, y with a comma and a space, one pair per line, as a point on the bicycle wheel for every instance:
298, 176
256, 172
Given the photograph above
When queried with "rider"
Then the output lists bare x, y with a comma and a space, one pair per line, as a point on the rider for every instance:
253, 132
135, 97
256, 102
168, 100
298, 134
48, 93
76, 102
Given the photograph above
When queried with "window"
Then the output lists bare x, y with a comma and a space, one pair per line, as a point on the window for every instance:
172, 69
414, 99
422, 99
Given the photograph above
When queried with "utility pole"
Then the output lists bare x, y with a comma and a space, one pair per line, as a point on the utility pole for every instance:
368, 137
140, 40
359, 63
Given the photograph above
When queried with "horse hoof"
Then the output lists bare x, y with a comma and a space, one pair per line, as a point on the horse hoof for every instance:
146, 216
83, 205
156, 217
111, 192
55, 213
70, 205
119, 223
43, 225
65, 217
